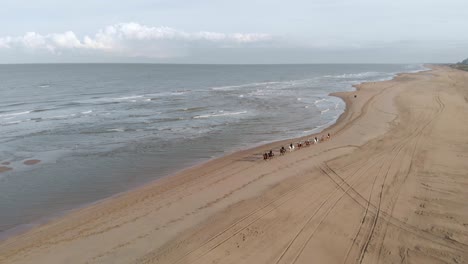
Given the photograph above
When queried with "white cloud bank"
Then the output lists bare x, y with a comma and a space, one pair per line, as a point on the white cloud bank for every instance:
131, 39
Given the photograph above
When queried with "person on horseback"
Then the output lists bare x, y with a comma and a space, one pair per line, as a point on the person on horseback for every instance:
282, 150
271, 154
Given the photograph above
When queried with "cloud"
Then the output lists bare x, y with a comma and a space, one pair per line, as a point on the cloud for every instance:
131, 39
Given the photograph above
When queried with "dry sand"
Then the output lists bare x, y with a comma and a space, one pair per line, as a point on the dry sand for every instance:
391, 186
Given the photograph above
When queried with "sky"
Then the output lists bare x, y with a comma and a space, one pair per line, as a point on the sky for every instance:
241, 31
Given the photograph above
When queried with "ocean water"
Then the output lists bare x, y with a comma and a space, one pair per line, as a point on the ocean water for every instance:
101, 129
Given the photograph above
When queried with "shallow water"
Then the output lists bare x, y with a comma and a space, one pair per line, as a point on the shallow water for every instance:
101, 129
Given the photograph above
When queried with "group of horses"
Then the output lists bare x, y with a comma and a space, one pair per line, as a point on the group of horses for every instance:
299, 145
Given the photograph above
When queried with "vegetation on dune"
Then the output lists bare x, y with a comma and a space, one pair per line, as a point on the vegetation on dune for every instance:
463, 65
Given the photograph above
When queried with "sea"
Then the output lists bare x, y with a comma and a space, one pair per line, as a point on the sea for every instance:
102, 129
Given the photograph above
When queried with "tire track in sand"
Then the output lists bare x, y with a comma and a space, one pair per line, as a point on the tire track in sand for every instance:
328, 198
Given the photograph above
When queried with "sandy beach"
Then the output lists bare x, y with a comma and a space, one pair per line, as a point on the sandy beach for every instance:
390, 186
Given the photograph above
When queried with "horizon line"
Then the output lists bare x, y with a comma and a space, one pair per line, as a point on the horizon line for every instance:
246, 64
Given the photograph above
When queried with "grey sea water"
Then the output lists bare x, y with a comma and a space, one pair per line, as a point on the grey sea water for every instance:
101, 129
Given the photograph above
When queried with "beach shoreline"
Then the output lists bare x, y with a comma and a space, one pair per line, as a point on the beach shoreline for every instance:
332, 193
261, 147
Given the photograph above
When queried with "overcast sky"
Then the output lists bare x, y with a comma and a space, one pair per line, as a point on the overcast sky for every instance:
240, 31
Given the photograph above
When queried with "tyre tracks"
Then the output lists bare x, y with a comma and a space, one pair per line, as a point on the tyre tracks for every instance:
232, 226
327, 199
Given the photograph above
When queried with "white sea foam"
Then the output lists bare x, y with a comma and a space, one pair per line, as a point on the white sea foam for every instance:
107, 100
260, 92
59, 117
155, 96
221, 114
128, 97
16, 114
358, 75
87, 112
15, 122
324, 111
116, 130
320, 100
12, 123
234, 87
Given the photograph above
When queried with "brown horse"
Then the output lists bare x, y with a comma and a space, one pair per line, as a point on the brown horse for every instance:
282, 151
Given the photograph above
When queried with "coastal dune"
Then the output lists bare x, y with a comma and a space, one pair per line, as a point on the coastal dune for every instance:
390, 186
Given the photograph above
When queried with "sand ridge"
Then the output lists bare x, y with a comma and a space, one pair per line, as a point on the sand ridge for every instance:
389, 187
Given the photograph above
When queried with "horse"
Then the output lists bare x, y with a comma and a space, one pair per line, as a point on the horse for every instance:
271, 154
282, 151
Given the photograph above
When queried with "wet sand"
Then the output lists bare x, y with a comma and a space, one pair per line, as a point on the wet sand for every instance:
31, 162
4, 168
26, 162
390, 186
